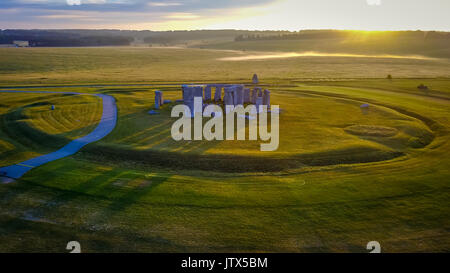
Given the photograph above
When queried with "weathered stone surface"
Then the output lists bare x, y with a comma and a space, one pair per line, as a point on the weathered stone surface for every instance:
158, 99
234, 87
228, 97
208, 92
255, 79
198, 91
188, 98
259, 101
218, 93
183, 90
190, 104
254, 95
266, 98
247, 98
188, 93
260, 93
239, 95
161, 102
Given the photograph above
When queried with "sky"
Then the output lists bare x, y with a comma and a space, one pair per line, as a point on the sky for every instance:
226, 14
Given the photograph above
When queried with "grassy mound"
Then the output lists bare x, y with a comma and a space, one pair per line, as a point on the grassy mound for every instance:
371, 130
149, 159
29, 127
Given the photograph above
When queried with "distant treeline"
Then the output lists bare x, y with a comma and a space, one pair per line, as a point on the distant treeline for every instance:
342, 34
80, 37
173, 37
45, 38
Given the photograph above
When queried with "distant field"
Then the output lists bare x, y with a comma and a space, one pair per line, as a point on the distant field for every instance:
43, 66
356, 43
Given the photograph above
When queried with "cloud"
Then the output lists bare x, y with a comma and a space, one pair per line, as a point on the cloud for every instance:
73, 2
163, 4
224, 14
373, 2
64, 16
181, 16
79, 2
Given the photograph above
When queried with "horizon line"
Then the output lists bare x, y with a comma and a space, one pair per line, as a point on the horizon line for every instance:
232, 29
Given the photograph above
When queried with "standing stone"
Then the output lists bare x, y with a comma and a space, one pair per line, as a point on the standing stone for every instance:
228, 98
364, 108
247, 95
255, 79
183, 90
260, 93
254, 96
161, 102
240, 95
190, 105
188, 98
158, 96
235, 96
188, 93
218, 93
198, 91
266, 98
259, 101
208, 92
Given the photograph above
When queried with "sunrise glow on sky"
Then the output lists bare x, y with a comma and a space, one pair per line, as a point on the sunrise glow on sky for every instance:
226, 14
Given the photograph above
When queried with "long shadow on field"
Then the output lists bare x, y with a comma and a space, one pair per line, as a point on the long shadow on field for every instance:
151, 132
118, 188
52, 237
15, 127
134, 195
28, 139
148, 159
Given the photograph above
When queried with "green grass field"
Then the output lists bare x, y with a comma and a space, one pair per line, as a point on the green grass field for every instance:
73, 66
340, 178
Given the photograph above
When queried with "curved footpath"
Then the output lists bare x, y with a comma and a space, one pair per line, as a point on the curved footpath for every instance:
105, 126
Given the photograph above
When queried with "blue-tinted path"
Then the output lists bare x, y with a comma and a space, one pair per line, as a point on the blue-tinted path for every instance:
105, 126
